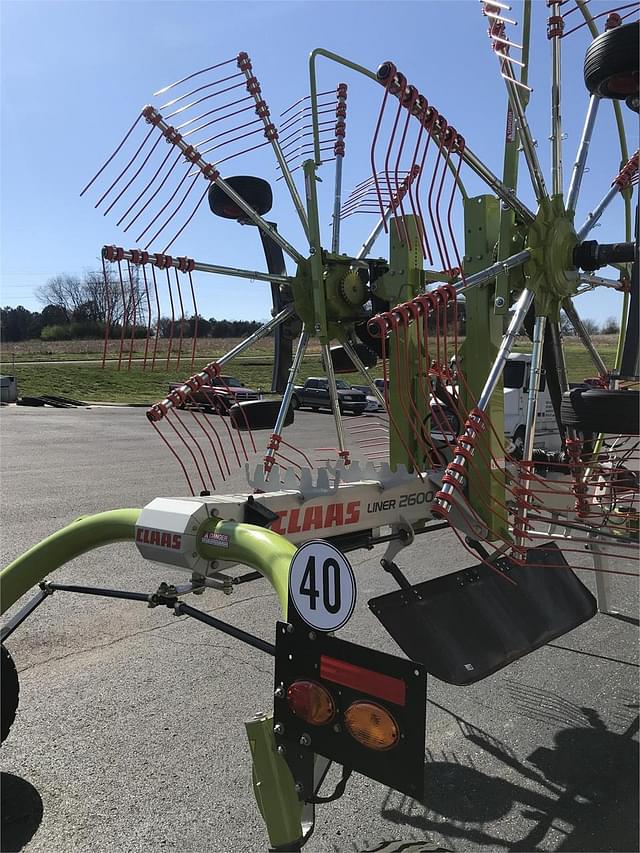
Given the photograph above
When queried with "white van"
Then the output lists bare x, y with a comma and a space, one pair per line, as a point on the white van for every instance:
516, 395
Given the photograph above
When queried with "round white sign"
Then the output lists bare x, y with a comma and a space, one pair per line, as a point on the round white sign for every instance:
322, 585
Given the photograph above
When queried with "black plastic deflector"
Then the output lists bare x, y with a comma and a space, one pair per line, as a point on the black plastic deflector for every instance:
471, 623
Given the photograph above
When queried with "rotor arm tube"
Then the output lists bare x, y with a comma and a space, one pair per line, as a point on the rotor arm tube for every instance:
82, 535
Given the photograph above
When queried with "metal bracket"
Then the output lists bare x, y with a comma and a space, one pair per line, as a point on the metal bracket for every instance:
406, 535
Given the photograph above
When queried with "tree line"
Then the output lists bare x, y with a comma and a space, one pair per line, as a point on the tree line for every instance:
81, 308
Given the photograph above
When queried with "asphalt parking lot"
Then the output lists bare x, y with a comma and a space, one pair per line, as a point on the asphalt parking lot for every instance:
129, 735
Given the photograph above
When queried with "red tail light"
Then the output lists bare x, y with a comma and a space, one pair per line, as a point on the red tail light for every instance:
311, 702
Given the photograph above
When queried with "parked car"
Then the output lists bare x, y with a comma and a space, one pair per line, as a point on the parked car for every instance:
373, 404
220, 394
314, 395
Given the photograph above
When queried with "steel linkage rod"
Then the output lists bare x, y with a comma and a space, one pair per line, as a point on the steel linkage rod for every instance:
442, 503
253, 87
528, 143
535, 375
362, 370
583, 150
211, 173
274, 444
313, 90
335, 405
340, 130
584, 336
176, 397
162, 261
555, 28
620, 183
487, 274
503, 192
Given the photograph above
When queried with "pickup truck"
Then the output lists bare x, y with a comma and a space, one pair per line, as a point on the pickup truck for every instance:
314, 395
220, 394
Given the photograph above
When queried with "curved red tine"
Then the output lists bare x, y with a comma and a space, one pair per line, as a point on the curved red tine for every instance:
196, 90
181, 318
133, 296
176, 455
177, 160
407, 100
394, 205
155, 343
440, 141
148, 301
101, 170
173, 320
196, 444
235, 139
132, 179
244, 151
202, 142
191, 76
171, 416
184, 124
125, 314
205, 98
460, 147
193, 213
195, 322
448, 144
126, 168
210, 440
429, 122
165, 205
374, 170
109, 302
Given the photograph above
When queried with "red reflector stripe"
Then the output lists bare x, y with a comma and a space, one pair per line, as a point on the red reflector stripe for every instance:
357, 677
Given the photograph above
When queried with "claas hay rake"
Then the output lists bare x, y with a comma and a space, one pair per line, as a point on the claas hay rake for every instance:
435, 454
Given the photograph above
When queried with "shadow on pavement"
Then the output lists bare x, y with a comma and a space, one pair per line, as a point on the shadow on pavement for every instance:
584, 789
21, 809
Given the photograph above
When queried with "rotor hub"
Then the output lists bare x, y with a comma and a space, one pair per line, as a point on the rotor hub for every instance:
550, 271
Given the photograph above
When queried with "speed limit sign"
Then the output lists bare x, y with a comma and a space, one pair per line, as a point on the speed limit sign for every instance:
322, 585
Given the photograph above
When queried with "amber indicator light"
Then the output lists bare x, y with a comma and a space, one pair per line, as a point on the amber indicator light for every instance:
311, 702
366, 680
371, 725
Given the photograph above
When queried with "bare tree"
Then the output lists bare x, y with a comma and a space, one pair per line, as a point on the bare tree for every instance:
99, 298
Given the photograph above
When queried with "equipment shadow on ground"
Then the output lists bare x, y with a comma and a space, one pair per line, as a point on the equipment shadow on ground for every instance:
584, 788
21, 808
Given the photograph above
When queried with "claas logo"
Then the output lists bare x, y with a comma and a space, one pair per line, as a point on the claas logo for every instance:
316, 518
160, 538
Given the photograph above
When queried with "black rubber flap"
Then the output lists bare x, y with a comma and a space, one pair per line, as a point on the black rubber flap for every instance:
471, 623
257, 414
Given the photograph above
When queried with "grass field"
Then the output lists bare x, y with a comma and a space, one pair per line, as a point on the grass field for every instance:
92, 383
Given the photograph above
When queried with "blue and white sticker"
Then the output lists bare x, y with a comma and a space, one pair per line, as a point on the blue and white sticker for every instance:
322, 586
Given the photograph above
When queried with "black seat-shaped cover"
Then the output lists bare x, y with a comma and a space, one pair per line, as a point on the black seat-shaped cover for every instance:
467, 625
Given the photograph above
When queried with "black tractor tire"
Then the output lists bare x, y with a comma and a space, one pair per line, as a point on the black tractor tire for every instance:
611, 63
295, 402
10, 691
597, 410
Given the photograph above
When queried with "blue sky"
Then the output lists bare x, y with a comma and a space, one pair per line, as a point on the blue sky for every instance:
75, 75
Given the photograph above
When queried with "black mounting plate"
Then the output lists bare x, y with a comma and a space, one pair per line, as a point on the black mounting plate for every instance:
298, 656
468, 624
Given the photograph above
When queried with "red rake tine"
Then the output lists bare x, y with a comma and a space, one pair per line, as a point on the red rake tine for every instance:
176, 455
115, 153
